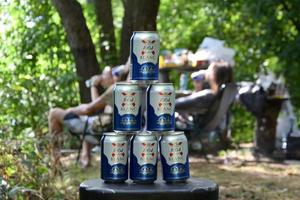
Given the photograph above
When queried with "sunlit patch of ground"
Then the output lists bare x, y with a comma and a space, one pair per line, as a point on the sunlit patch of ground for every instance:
236, 171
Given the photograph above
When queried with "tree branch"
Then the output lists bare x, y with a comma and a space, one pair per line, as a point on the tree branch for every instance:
104, 16
140, 15
80, 42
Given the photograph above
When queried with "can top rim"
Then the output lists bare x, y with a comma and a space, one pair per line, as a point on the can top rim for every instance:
162, 84
113, 134
173, 133
145, 31
125, 83
145, 134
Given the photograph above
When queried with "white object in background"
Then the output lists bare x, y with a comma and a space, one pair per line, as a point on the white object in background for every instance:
266, 80
212, 49
209, 43
201, 74
287, 122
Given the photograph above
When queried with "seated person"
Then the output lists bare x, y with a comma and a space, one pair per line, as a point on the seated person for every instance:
58, 117
199, 102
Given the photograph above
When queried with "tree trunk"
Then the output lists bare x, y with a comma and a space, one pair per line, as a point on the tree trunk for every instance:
140, 15
80, 42
104, 16
265, 133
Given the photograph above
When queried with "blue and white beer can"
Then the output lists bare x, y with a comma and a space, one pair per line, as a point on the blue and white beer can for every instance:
143, 158
114, 157
144, 56
160, 107
174, 157
127, 107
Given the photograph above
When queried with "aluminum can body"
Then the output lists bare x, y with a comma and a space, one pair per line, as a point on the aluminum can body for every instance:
144, 55
143, 158
174, 157
160, 107
114, 157
127, 107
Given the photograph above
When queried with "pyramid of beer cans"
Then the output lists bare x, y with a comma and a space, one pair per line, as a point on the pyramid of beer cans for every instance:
143, 94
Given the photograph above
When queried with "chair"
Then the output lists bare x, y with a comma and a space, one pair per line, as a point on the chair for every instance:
221, 107
217, 120
91, 128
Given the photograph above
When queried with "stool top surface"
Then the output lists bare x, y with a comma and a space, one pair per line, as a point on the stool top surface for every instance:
191, 185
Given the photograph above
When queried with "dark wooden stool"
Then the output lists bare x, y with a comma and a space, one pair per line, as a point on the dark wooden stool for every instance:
193, 189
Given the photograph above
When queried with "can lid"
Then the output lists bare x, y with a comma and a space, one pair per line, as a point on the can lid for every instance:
145, 133
126, 83
162, 84
113, 134
144, 82
145, 31
173, 133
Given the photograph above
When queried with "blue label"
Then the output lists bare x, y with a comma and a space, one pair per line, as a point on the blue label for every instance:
176, 171
141, 172
145, 71
127, 122
116, 172
163, 122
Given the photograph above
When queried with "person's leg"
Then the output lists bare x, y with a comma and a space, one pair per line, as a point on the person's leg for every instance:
55, 122
85, 156
56, 118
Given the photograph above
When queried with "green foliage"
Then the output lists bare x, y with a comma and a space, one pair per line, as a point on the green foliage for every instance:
36, 67
263, 32
28, 172
118, 12
182, 24
95, 30
242, 125
37, 72
260, 31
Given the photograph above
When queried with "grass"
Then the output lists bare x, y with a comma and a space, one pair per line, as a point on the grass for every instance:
249, 182
237, 172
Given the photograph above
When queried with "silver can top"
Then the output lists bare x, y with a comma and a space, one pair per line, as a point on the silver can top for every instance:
148, 136
145, 32
161, 84
171, 133
126, 86
126, 83
114, 134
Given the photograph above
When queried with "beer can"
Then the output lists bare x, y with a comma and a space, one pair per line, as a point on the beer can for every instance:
143, 158
144, 56
160, 107
114, 157
174, 157
127, 107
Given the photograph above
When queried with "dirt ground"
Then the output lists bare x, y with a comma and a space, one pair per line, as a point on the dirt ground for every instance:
238, 174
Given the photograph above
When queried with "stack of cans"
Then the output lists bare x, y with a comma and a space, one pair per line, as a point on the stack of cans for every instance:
158, 133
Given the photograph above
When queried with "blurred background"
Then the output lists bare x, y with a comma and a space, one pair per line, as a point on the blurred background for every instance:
48, 49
